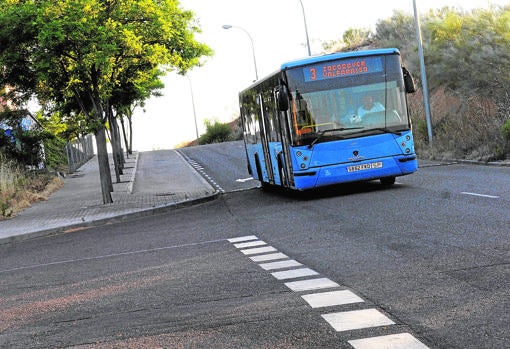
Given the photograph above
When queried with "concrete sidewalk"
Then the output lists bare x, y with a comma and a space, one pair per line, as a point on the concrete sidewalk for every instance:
152, 182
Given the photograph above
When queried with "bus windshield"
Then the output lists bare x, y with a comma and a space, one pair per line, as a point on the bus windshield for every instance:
347, 98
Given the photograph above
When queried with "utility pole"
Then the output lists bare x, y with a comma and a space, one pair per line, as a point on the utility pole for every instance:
423, 73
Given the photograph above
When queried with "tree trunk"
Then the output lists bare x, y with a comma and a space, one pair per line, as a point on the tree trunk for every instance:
120, 152
114, 142
124, 135
130, 123
104, 165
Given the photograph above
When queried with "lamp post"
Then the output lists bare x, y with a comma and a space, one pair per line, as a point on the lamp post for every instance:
306, 29
423, 73
228, 26
194, 111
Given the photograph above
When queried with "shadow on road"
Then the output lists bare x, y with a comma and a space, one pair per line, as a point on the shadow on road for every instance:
344, 189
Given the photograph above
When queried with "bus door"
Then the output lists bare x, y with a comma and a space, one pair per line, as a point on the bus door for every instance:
283, 156
264, 138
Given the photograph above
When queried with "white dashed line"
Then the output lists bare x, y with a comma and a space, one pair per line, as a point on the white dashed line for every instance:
294, 273
269, 257
313, 284
393, 341
357, 319
341, 321
250, 244
480, 195
258, 250
243, 238
329, 299
280, 265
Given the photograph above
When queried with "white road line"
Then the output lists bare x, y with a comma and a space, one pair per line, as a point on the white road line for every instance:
392, 341
280, 265
480, 195
242, 180
313, 284
258, 250
243, 238
113, 255
269, 257
294, 273
329, 299
250, 244
357, 319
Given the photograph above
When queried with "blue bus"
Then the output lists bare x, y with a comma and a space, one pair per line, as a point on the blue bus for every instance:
330, 119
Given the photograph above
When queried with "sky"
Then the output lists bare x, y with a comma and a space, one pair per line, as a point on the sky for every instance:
277, 30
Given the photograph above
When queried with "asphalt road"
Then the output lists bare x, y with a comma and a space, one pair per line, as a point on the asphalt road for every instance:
431, 254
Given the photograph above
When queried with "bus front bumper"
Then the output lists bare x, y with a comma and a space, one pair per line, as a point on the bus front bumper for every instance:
355, 171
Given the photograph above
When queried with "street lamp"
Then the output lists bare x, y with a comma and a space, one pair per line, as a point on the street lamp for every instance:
228, 26
194, 111
306, 29
423, 73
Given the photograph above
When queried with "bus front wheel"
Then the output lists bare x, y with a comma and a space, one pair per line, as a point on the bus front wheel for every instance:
388, 180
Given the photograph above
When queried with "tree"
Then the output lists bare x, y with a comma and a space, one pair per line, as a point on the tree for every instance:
398, 31
81, 52
352, 39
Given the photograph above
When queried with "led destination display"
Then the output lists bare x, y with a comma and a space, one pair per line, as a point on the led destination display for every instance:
342, 68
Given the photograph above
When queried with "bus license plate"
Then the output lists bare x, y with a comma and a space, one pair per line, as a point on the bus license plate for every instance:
363, 167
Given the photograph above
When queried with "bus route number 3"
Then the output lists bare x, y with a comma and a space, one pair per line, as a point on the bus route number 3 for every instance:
313, 74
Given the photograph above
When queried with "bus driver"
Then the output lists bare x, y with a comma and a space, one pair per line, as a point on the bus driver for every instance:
369, 106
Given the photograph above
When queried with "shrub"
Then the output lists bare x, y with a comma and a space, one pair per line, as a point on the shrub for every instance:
19, 188
506, 135
216, 133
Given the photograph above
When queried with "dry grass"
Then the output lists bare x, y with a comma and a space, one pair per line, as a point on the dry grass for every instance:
19, 189
462, 129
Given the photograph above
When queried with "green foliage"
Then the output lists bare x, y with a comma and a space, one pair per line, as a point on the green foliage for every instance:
11, 178
467, 58
506, 130
5, 206
506, 135
80, 56
55, 156
216, 132
354, 37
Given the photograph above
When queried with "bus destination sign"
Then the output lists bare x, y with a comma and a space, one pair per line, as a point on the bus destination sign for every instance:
342, 68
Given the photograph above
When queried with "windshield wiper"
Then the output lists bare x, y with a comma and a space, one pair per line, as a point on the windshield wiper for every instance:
322, 133
385, 130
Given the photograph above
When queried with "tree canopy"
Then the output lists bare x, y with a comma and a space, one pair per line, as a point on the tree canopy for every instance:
80, 56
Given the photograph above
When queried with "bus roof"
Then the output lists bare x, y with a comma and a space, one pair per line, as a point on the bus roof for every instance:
338, 55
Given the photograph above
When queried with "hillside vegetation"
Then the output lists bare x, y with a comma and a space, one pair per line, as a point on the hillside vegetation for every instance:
467, 59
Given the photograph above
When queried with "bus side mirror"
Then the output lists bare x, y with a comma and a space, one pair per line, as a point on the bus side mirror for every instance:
283, 98
408, 81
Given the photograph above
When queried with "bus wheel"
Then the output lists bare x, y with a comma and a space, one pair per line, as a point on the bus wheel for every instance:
388, 180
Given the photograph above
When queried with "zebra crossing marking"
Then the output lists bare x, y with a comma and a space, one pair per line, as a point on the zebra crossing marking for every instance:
357, 319
258, 250
250, 244
332, 298
242, 238
340, 321
280, 265
311, 284
268, 257
392, 341
294, 273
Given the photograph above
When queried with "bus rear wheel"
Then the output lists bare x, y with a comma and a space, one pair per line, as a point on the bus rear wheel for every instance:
388, 180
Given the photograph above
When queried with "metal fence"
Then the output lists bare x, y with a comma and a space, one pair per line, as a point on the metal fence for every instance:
79, 152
